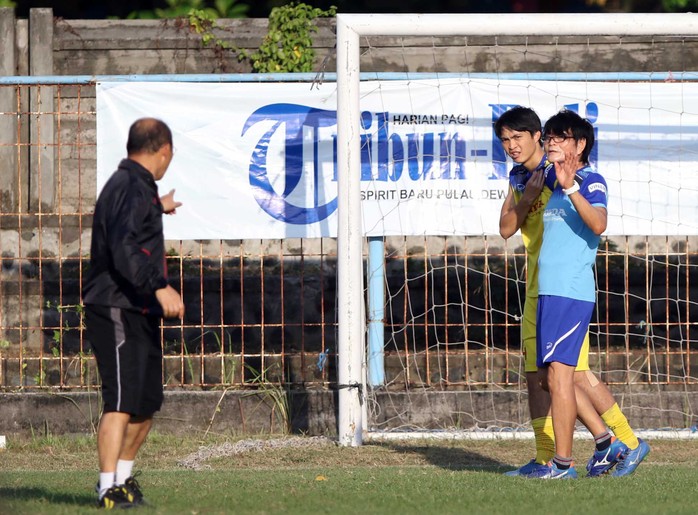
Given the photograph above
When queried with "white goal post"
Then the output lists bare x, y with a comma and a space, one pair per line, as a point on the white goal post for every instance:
350, 28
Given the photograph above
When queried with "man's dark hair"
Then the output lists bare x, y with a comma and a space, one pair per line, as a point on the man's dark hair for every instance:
569, 122
519, 118
148, 135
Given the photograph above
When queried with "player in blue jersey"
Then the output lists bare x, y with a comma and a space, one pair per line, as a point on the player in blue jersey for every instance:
531, 182
573, 220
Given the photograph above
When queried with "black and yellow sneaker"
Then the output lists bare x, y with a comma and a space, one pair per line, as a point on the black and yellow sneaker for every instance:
133, 490
115, 497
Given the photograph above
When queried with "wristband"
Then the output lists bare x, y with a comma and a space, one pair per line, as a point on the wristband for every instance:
572, 189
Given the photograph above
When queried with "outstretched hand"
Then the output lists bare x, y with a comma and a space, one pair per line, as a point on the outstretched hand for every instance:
169, 204
566, 170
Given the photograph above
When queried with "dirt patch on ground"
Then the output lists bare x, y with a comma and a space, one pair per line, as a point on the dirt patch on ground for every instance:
197, 460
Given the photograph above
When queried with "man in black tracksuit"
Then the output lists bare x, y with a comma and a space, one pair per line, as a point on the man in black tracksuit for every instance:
125, 295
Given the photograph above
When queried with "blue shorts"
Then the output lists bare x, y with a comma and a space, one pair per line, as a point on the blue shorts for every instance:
530, 346
562, 324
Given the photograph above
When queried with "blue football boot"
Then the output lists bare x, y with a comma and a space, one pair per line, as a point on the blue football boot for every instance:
550, 471
603, 461
525, 470
629, 462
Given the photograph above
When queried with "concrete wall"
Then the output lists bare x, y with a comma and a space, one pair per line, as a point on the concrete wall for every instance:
99, 47
313, 412
184, 412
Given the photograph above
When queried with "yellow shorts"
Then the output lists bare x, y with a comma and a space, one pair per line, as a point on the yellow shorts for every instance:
528, 335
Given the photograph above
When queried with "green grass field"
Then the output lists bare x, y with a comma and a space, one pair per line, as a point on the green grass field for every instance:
57, 475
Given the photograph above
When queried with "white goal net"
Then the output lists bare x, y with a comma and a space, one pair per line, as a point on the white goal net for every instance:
422, 175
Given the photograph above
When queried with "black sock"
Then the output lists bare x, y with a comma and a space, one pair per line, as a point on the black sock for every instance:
603, 441
562, 463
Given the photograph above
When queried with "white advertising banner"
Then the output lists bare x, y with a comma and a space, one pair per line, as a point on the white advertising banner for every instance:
259, 160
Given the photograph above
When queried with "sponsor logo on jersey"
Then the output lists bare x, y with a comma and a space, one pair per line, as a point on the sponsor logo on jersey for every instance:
597, 186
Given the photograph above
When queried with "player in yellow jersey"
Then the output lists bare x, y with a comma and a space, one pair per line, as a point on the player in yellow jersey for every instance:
531, 182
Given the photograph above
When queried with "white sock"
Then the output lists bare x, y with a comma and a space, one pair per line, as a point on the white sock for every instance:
123, 471
106, 481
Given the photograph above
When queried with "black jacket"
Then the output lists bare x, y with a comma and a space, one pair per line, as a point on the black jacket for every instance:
127, 255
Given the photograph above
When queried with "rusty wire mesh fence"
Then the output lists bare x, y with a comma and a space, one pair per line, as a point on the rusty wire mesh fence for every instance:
265, 310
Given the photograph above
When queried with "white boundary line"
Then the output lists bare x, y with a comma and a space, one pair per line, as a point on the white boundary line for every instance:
645, 434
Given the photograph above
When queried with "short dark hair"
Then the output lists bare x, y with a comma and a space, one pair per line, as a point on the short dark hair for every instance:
520, 119
148, 135
578, 127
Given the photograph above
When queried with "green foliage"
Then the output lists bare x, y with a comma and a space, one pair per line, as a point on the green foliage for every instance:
7, 3
57, 337
63, 308
39, 378
680, 6
203, 22
288, 45
184, 8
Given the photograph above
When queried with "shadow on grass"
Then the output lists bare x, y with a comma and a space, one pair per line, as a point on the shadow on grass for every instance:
52, 496
450, 458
